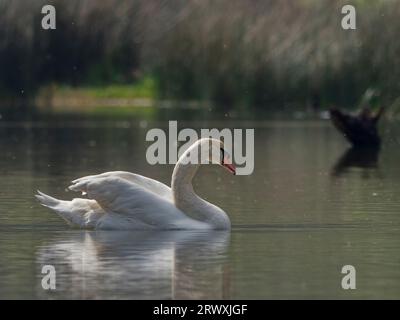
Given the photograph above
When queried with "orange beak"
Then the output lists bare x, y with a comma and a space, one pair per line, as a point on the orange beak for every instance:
229, 166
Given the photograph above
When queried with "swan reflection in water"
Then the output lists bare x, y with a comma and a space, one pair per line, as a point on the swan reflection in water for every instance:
137, 265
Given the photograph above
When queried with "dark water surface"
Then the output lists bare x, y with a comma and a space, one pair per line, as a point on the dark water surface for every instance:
310, 207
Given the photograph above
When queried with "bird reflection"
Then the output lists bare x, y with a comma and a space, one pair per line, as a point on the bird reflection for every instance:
364, 158
138, 265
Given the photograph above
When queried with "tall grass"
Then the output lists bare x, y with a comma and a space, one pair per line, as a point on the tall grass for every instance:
261, 53
94, 42
271, 53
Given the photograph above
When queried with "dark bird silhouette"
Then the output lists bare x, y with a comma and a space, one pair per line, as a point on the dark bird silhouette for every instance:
361, 129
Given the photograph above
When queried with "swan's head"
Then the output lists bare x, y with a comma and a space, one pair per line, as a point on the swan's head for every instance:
214, 151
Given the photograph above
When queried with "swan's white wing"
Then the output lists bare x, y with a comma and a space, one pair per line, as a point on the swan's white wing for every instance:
130, 206
152, 185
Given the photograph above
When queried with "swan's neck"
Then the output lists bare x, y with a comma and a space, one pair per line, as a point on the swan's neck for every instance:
190, 203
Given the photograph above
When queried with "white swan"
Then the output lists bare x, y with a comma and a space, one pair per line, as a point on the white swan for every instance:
122, 200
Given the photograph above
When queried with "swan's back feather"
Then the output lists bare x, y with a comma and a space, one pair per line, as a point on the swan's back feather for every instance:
149, 184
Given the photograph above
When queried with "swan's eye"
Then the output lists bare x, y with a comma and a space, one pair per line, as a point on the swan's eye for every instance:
222, 155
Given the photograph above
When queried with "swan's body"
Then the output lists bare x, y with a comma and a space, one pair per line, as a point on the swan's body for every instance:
123, 200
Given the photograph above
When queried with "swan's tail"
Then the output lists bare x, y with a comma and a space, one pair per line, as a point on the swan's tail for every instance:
83, 213
47, 201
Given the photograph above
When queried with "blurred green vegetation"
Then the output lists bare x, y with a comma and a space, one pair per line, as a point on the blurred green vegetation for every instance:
143, 88
234, 53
